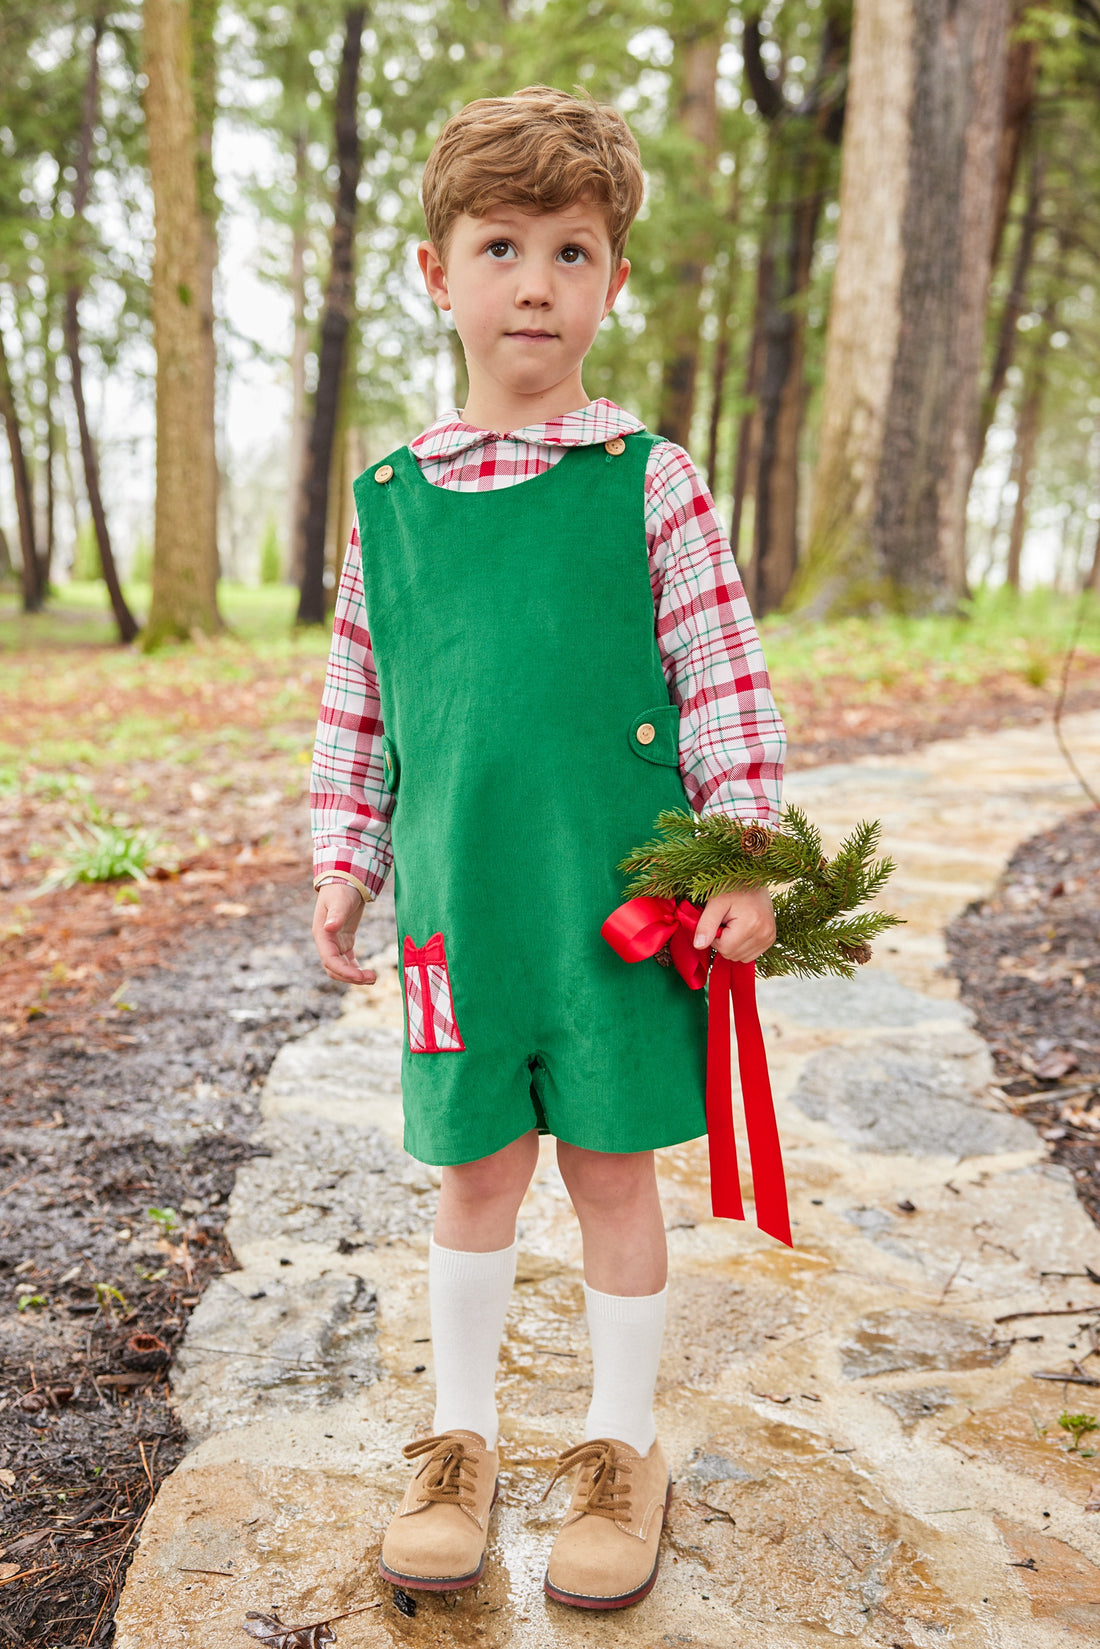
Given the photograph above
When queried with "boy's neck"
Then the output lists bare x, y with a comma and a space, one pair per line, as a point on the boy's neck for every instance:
489, 408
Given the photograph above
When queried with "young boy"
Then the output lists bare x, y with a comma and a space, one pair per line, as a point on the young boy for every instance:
542, 643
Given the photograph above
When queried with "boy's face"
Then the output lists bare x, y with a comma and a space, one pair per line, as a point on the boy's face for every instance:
528, 292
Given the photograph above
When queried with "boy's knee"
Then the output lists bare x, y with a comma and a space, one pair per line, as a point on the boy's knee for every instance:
501, 1177
603, 1176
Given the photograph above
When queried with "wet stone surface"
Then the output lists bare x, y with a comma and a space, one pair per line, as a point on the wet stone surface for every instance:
873, 999
886, 1342
908, 1093
856, 1458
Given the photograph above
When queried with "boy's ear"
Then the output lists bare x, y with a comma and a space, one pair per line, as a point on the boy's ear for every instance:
615, 286
435, 276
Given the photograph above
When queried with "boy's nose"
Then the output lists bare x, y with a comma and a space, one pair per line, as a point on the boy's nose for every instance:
534, 290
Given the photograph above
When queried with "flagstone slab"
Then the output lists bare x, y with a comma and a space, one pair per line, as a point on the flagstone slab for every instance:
861, 1451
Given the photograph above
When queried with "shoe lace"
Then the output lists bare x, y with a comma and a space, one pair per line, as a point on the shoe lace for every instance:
448, 1473
608, 1491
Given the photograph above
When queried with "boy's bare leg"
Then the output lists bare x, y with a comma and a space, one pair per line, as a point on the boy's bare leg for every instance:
471, 1269
479, 1201
625, 1271
620, 1217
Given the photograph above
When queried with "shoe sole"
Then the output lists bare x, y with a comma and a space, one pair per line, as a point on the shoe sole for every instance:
430, 1583
423, 1583
580, 1600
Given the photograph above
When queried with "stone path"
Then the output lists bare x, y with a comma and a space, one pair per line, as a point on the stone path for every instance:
859, 1447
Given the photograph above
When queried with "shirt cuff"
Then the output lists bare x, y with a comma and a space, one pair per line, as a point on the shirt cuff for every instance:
343, 876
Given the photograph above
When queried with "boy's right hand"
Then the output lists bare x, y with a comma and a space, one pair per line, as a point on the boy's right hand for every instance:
339, 907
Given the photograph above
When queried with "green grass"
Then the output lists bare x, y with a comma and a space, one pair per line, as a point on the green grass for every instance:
102, 851
1025, 635
80, 616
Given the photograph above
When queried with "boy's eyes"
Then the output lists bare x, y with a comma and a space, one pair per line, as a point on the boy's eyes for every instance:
500, 251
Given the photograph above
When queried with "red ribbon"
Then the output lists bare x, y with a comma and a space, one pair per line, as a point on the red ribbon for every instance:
638, 930
421, 957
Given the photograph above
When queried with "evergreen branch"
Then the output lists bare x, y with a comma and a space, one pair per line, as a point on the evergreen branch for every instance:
695, 856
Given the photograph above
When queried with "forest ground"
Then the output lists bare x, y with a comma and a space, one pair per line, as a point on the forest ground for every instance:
125, 1085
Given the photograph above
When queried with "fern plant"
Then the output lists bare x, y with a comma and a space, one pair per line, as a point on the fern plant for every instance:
696, 856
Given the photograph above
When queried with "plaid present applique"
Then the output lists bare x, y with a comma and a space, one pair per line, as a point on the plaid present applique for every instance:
429, 1005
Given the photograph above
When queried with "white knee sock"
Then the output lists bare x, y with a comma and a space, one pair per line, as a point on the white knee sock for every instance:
626, 1332
468, 1297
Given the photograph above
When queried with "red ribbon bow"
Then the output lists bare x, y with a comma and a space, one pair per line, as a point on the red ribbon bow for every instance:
638, 930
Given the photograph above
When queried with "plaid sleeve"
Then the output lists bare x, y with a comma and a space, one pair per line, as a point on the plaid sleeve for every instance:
349, 803
731, 736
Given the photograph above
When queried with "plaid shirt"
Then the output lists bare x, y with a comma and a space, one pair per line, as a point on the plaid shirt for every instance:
731, 735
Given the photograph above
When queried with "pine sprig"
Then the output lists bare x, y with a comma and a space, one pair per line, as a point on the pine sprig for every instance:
696, 856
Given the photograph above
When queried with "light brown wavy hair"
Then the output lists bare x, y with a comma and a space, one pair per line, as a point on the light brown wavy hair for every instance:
539, 150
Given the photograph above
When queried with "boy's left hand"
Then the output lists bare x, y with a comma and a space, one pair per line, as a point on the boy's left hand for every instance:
740, 924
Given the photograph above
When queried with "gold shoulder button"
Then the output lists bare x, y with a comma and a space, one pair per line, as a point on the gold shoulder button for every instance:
615, 446
646, 733
383, 473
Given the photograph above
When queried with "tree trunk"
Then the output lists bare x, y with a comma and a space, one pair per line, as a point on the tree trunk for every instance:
45, 559
124, 618
335, 321
1023, 466
745, 462
1008, 328
903, 350
299, 351
1021, 65
982, 116
185, 569
24, 497
800, 162
204, 17
697, 119
1093, 581
725, 303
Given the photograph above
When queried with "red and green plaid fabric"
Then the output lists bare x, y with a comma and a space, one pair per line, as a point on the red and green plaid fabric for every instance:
731, 736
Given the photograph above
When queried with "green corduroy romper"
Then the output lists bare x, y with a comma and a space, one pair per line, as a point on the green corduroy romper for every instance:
530, 743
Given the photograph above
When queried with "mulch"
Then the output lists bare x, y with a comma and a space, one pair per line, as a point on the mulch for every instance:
1028, 964
113, 1104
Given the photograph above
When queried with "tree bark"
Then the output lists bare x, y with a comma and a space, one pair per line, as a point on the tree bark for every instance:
1014, 304
982, 114
185, 569
903, 350
800, 142
335, 321
299, 352
204, 17
24, 496
45, 558
125, 622
1092, 582
1021, 69
725, 303
745, 462
697, 119
1023, 467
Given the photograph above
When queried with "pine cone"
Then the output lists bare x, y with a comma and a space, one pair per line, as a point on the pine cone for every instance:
855, 953
755, 841
664, 956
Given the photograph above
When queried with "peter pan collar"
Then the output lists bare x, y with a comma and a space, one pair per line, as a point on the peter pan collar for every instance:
599, 421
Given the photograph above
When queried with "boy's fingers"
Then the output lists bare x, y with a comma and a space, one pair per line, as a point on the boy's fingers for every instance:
707, 931
348, 972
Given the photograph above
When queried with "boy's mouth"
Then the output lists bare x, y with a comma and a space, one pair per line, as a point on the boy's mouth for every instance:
525, 334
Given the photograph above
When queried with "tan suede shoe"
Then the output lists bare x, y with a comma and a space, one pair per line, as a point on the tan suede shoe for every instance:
606, 1556
436, 1542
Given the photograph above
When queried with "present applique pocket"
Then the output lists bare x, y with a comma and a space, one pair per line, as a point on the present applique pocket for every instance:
429, 1004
